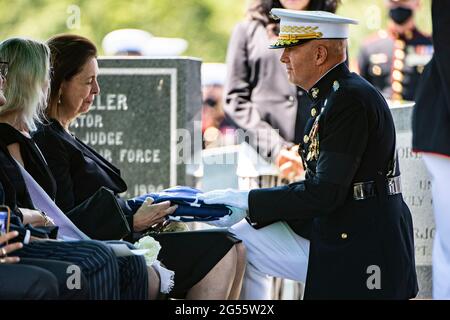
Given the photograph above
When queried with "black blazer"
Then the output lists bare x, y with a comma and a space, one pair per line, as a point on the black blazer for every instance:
354, 142
78, 169
258, 93
431, 116
8, 198
34, 163
13, 188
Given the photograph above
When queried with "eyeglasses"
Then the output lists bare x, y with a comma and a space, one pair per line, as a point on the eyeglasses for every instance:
3, 68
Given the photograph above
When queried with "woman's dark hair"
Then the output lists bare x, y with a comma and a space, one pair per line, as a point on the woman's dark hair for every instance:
260, 10
69, 53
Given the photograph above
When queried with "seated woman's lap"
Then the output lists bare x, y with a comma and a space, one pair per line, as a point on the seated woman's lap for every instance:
192, 254
99, 264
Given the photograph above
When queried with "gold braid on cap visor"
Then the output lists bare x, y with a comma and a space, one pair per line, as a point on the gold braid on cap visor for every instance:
293, 34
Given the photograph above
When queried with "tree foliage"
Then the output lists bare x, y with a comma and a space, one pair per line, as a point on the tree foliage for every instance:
206, 24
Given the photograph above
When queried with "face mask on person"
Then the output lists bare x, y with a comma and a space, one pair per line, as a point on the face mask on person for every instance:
400, 14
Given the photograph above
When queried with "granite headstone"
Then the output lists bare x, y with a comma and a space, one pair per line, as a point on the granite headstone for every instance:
416, 186
145, 108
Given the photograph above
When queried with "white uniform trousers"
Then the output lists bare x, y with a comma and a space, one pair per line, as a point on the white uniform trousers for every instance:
275, 250
439, 168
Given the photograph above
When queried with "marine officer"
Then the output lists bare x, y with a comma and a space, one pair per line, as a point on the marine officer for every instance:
393, 60
345, 229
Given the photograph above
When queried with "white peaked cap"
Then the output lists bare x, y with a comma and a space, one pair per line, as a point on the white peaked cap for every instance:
142, 42
158, 46
298, 26
213, 74
125, 40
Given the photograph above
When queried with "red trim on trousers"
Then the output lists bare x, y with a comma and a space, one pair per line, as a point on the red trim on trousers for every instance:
432, 153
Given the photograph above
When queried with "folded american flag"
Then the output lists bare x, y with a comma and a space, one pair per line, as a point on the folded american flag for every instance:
190, 208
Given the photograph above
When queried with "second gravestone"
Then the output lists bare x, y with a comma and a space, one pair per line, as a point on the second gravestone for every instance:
416, 186
144, 106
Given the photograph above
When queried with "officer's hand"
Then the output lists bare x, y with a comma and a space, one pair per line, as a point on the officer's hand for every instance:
229, 197
150, 214
236, 215
4, 251
290, 164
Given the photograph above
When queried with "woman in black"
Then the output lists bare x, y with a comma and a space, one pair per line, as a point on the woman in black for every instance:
31, 279
207, 264
107, 276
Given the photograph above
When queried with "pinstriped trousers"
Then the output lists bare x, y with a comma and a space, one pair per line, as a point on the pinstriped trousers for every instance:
133, 275
109, 277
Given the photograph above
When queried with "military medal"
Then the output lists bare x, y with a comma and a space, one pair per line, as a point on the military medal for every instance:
313, 149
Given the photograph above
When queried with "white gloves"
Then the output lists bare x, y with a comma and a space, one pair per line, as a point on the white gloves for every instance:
236, 200
236, 215
229, 197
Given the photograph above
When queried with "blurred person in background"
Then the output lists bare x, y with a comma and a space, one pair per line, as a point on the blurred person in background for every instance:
393, 59
137, 42
217, 129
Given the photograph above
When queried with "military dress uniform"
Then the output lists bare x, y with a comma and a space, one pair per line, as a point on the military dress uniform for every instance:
348, 217
431, 137
394, 63
352, 194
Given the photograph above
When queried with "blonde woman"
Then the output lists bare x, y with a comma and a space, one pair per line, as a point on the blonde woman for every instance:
26, 93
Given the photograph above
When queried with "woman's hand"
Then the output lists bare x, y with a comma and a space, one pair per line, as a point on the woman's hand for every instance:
35, 218
150, 214
4, 251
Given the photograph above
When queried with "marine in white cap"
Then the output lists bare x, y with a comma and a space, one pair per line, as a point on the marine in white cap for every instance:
344, 230
126, 42
136, 42
393, 59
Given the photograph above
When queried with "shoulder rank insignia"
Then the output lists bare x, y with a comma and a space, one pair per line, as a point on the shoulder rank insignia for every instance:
336, 86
